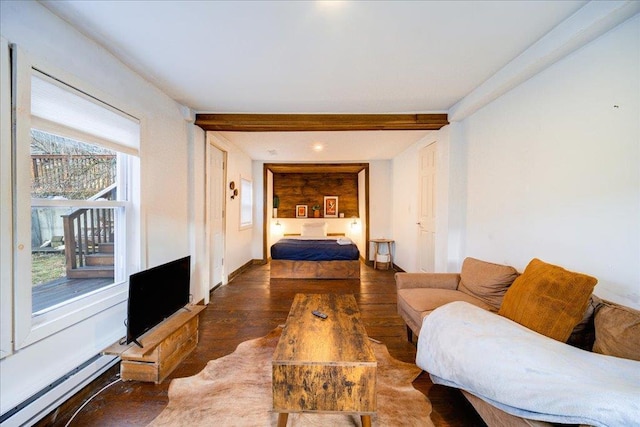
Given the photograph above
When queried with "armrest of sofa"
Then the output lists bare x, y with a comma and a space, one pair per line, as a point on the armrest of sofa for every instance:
427, 280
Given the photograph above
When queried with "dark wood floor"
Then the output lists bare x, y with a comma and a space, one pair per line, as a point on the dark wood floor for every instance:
249, 307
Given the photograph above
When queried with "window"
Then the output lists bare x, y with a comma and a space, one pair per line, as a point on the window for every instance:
6, 215
74, 192
246, 203
73, 243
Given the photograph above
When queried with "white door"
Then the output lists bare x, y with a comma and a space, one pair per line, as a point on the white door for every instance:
427, 210
216, 180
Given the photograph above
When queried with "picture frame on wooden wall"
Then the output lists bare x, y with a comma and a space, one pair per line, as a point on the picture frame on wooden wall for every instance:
331, 206
301, 211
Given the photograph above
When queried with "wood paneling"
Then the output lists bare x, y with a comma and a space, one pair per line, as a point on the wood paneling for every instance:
319, 122
310, 188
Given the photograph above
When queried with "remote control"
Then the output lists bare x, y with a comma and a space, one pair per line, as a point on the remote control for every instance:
319, 314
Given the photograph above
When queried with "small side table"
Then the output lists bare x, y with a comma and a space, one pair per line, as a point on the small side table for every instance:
377, 243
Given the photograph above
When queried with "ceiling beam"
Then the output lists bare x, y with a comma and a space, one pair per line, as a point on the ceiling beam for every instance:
319, 122
316, 167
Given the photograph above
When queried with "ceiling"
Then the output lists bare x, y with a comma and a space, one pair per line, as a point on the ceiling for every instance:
316, 57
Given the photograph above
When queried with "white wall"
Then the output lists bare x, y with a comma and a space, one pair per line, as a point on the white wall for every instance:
380, 201
166, 192
553, 167
258, 193
197, 221
456, 198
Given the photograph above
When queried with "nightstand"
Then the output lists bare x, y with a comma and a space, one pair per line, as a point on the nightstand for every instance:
377, 243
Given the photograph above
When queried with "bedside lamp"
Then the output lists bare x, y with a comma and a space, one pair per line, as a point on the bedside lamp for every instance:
278, 229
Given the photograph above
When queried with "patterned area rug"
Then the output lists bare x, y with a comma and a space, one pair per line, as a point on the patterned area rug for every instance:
235, 390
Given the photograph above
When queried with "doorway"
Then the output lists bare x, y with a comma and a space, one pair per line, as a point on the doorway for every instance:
427, 209
360, 218
215, 187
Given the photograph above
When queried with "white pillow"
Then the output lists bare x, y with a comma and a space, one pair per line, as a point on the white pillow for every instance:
314, 229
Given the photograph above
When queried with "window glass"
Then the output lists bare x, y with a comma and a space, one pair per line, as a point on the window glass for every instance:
69, 169
60, 275
246, 203
72, 246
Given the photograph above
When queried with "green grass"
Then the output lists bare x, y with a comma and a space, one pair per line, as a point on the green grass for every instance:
46, 267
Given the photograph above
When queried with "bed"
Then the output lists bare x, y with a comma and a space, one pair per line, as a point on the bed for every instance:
315, 255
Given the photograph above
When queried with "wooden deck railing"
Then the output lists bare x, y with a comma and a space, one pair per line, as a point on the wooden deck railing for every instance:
84, 230
71, 175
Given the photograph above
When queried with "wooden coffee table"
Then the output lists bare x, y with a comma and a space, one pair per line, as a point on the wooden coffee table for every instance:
324, 365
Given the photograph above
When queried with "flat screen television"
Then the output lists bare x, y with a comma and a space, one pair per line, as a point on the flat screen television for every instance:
156, 294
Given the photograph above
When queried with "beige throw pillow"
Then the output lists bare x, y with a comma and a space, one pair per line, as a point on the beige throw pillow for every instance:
548, 299
486, 281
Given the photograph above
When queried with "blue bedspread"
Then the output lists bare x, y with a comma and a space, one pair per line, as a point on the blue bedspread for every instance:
313, 250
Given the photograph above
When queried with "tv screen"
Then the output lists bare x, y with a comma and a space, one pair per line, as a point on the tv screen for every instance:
156, 294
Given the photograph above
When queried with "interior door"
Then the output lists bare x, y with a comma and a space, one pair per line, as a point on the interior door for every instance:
217, 160
427, 211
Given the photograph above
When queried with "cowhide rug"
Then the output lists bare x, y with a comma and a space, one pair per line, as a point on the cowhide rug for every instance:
235, 390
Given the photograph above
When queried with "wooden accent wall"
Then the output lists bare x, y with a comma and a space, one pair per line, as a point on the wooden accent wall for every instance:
310, 188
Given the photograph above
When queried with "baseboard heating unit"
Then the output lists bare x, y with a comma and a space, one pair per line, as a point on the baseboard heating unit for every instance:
49, 398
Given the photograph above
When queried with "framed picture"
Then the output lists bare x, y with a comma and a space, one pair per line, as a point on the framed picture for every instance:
301, 211
331, 206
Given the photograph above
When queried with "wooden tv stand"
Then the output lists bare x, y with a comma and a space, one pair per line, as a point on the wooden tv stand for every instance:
163, 347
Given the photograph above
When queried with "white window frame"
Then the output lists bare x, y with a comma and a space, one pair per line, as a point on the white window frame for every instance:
27, 328
246, 196
6, 211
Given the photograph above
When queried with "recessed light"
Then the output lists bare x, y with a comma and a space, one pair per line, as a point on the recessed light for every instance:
329, 4
318, 147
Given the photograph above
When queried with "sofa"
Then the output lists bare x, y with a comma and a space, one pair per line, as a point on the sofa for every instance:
486, 329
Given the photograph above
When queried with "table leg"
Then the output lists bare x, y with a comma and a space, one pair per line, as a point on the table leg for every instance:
284, 416
390, 259
366, 420
375, 255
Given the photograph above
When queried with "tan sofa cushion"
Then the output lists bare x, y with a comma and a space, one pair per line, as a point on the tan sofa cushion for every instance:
414, 304
548, 299
486, 281
617, 331
427, 280
422, 300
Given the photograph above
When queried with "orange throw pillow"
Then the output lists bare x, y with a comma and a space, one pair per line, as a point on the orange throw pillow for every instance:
548, 299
